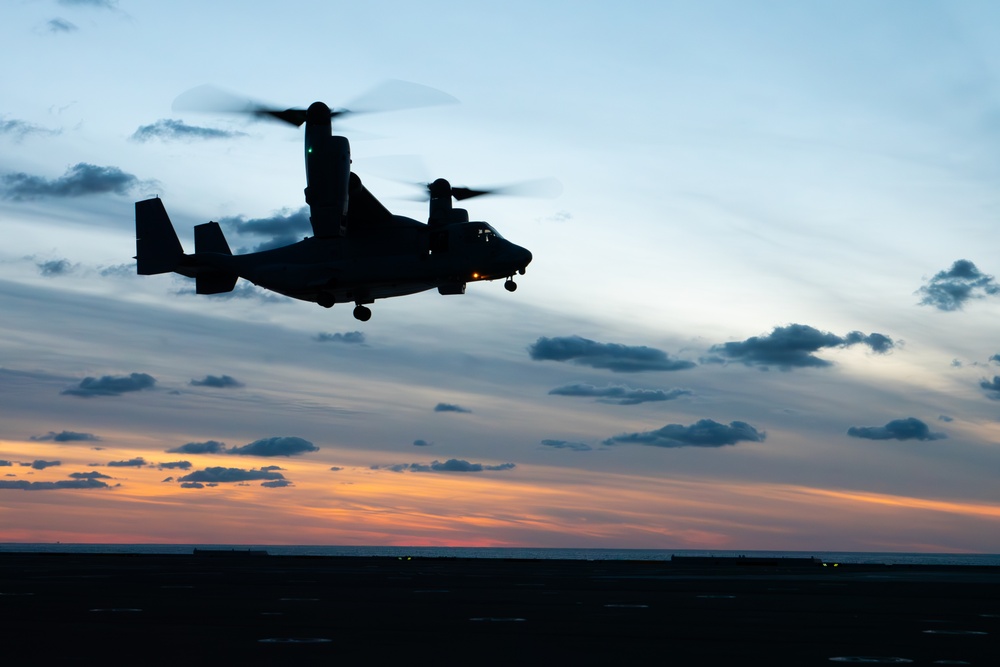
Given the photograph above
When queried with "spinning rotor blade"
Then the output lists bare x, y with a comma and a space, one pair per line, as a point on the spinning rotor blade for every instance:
389, 96
546, 188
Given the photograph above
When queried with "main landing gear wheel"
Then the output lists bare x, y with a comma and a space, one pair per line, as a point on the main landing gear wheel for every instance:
510, 285
362, 313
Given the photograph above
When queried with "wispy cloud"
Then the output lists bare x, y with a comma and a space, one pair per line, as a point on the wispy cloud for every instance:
451, 465
93, 474
794, 346
20, 129
281, 229
136, 462
276, 446
167, 129
243, 290
566, 444
221, 475
951, 289
97, 4
450, 407
619, 394
910, 428
350, 337
608, 356
111, 385
703, 433
55, 267
217, 382
992, 387
53, 486
61, 25
207, 447
66, 436
79, 180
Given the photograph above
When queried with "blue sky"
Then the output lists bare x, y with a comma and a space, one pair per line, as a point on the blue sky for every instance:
761, 314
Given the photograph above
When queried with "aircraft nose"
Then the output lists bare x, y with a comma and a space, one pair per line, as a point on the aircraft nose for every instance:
525, 256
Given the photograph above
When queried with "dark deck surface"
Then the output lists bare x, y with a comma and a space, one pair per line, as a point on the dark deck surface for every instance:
242, 609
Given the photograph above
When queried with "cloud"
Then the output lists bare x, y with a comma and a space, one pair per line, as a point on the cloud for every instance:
220, 475
4, 463
243, 290
66, 436
276, 446
111, 385
451, 465
61, 25
619, 394
89, 475
53, 486
217, 382
119, 270
609, 356
174, 465
950, 290
192, 485
450, 407
703, 433
99, 4
276, 483
168, 129
565, 444
137, 462
991, 386
352, 337
793, 347
898, 429
281, 229
422, 443
55, 267
207, 447
39, 464
19, 129
81, 179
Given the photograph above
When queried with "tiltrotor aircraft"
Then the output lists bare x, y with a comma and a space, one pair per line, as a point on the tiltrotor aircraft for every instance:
359, 251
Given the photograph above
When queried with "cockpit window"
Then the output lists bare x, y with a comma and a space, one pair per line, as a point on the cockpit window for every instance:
480, 232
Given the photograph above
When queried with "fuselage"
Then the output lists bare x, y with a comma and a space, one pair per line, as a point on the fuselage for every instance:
404, 258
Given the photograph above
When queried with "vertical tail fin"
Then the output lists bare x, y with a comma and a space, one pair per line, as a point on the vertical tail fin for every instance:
208, 238
157, 248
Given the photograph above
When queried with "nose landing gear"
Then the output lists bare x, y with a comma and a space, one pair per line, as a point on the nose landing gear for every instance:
362, 313
510, 285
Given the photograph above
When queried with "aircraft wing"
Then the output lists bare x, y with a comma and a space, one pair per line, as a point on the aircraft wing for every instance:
364, 211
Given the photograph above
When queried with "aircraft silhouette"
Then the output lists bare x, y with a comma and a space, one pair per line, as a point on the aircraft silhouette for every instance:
359, 251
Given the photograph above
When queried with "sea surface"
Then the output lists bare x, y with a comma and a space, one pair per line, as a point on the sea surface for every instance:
884, 558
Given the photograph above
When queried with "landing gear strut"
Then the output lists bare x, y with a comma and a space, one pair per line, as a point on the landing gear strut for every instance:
362, 313
510, 285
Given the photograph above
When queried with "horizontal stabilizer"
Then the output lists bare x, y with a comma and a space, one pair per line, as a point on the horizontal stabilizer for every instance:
157, 248
214, 282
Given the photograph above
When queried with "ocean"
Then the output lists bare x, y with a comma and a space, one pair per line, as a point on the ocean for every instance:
857, 557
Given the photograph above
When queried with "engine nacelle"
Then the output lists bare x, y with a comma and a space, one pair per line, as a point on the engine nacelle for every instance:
328, 173
452, 288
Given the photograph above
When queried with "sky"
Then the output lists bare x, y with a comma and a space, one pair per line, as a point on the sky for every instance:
761, 314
